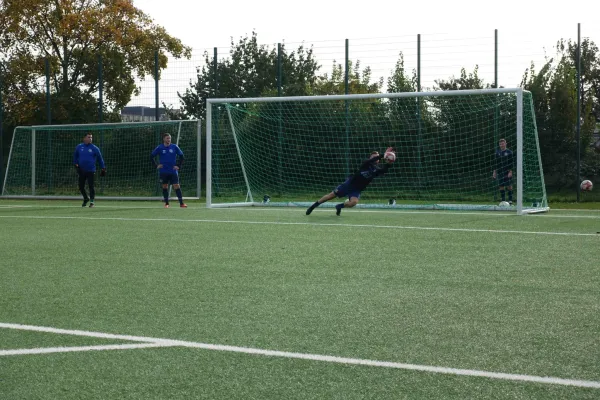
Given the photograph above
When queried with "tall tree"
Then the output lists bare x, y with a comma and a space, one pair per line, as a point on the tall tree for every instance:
464, 82
359, 81
590, 70
554, 91
72, 35
250, 70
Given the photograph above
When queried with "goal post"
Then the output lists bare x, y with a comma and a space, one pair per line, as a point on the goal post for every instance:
40, 162
290, 151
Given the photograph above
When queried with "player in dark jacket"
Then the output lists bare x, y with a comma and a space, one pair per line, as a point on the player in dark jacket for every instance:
504, 160
85, 157
356, 183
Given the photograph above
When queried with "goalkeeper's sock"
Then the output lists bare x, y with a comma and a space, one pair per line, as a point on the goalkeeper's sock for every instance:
503, 195
338, 209
179, 195
510, 196
311, 208
166, 196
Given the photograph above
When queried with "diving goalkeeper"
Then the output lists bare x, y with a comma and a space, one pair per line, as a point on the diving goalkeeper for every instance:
356, 183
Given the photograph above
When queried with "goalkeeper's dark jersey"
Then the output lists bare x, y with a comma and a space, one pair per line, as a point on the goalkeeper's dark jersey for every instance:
504, 161
367, 171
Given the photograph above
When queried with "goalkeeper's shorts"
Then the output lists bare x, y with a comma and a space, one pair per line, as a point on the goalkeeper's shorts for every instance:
504, 180
169, 178
346, 190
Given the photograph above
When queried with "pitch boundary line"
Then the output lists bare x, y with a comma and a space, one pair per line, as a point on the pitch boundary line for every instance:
292, 209
157, 342
399, 227
73, 349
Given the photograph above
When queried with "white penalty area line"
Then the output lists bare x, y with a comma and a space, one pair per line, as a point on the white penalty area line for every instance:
329, 209
156, 342
48, 350
217, 221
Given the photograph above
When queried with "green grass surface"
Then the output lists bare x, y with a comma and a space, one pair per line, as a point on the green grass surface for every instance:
480, 291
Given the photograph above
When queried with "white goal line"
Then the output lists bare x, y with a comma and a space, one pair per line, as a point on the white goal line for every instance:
157, 342
217, 221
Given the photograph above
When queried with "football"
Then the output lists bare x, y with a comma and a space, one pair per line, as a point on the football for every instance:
504, 204
390, 156
586, 185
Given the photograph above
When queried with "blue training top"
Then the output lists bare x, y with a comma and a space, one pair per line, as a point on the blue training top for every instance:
86, 155
167, 156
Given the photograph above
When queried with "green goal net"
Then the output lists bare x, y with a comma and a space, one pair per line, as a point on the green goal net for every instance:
40, 162
292, 150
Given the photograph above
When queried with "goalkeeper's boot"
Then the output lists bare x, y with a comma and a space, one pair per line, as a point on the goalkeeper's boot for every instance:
338, 209
167, 206
183, 205
85, 201
92, 205
311, 208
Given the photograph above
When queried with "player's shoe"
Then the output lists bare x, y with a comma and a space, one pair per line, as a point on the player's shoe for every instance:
92, 205
309, 210
338, 210
84, 203
183, 205
167, 206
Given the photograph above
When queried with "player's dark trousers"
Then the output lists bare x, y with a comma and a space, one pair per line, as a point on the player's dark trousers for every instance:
89, 177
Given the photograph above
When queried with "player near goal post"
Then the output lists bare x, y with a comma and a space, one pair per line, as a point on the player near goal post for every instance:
358, 182
170, 159
504, 160
84, 159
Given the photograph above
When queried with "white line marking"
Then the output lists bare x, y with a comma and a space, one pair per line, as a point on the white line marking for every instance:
76, 332
424, 228
47, 350
328, 209
314, 357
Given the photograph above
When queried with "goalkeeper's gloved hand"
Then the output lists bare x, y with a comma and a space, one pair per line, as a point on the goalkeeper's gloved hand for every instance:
389, 149
103, 172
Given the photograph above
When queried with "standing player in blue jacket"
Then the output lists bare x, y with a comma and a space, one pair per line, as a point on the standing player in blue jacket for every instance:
170, 159
85, 157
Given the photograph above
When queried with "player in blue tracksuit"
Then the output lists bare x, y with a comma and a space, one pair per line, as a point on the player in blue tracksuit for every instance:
504, 160
170, 159
355, 184
85, 157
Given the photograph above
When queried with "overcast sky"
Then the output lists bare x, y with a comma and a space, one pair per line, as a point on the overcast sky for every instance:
453, 33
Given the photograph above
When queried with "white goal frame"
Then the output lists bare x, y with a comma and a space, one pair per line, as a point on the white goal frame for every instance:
33, 194
251, 202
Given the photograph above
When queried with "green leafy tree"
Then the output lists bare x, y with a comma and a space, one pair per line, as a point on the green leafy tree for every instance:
359, 82
72, 35
466, 81
590, 70
554, 90
250, 70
